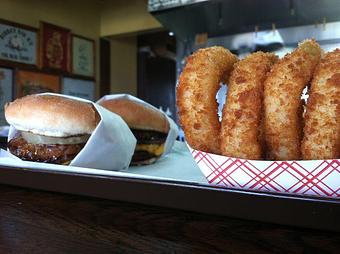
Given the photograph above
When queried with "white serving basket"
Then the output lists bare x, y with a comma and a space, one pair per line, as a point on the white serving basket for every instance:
307, 177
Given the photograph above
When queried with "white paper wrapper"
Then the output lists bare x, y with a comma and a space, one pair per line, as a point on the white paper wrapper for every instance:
110, 146
173, 132
178, 166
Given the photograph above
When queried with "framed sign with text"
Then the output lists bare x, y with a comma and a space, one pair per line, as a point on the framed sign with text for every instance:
79, 88
18, 43
83, 56
6, 91
55, 47
33, 82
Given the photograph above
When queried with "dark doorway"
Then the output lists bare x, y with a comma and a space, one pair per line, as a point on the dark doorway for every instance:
157, 71
105, 67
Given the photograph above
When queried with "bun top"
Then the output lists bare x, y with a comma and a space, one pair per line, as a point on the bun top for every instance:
52, 115
137, 115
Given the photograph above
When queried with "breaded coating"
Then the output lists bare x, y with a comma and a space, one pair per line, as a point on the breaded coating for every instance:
282, 100
241, 120
322, 119
196, 96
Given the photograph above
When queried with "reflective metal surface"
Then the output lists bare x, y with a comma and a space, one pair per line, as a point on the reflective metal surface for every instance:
222, 17
280, 41
158, 5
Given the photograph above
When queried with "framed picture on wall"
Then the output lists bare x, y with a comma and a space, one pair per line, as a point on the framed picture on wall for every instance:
83, 56
55, 47
18, 43
79, 88
32, 82
6, 91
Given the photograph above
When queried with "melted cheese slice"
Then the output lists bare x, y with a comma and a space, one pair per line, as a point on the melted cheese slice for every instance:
40, 139
155, 149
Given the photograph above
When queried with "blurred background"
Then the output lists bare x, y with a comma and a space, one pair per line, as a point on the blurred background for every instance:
90, 48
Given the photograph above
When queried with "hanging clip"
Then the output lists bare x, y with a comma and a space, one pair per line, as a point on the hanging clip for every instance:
291, 8
256, 30
324, 21
273, 28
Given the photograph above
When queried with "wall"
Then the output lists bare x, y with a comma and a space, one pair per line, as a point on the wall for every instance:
121, 17
122, 21
116, 19
81, 16
124, 65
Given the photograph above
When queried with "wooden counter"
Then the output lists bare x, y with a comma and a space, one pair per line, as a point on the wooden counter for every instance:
44, 222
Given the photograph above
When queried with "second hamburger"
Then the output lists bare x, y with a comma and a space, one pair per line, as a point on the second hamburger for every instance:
149, 126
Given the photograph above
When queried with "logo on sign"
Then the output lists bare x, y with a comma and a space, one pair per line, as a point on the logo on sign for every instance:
16, 39
17, 44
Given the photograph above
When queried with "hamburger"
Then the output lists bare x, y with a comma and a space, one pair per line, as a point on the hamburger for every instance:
149, 126
50, 128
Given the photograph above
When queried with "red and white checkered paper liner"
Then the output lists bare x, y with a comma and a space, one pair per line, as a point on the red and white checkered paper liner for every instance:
315, 177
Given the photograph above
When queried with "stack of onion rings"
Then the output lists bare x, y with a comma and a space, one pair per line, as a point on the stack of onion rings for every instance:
263, 115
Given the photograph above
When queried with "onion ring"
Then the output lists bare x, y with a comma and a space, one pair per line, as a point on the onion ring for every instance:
282, 100
322, 119
196, 96
242, 113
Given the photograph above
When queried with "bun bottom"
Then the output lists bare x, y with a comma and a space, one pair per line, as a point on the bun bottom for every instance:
144, 162
146, 154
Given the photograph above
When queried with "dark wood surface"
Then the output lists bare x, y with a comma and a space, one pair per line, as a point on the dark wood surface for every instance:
43, 222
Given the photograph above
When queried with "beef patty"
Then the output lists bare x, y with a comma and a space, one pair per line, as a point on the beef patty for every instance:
58, 154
